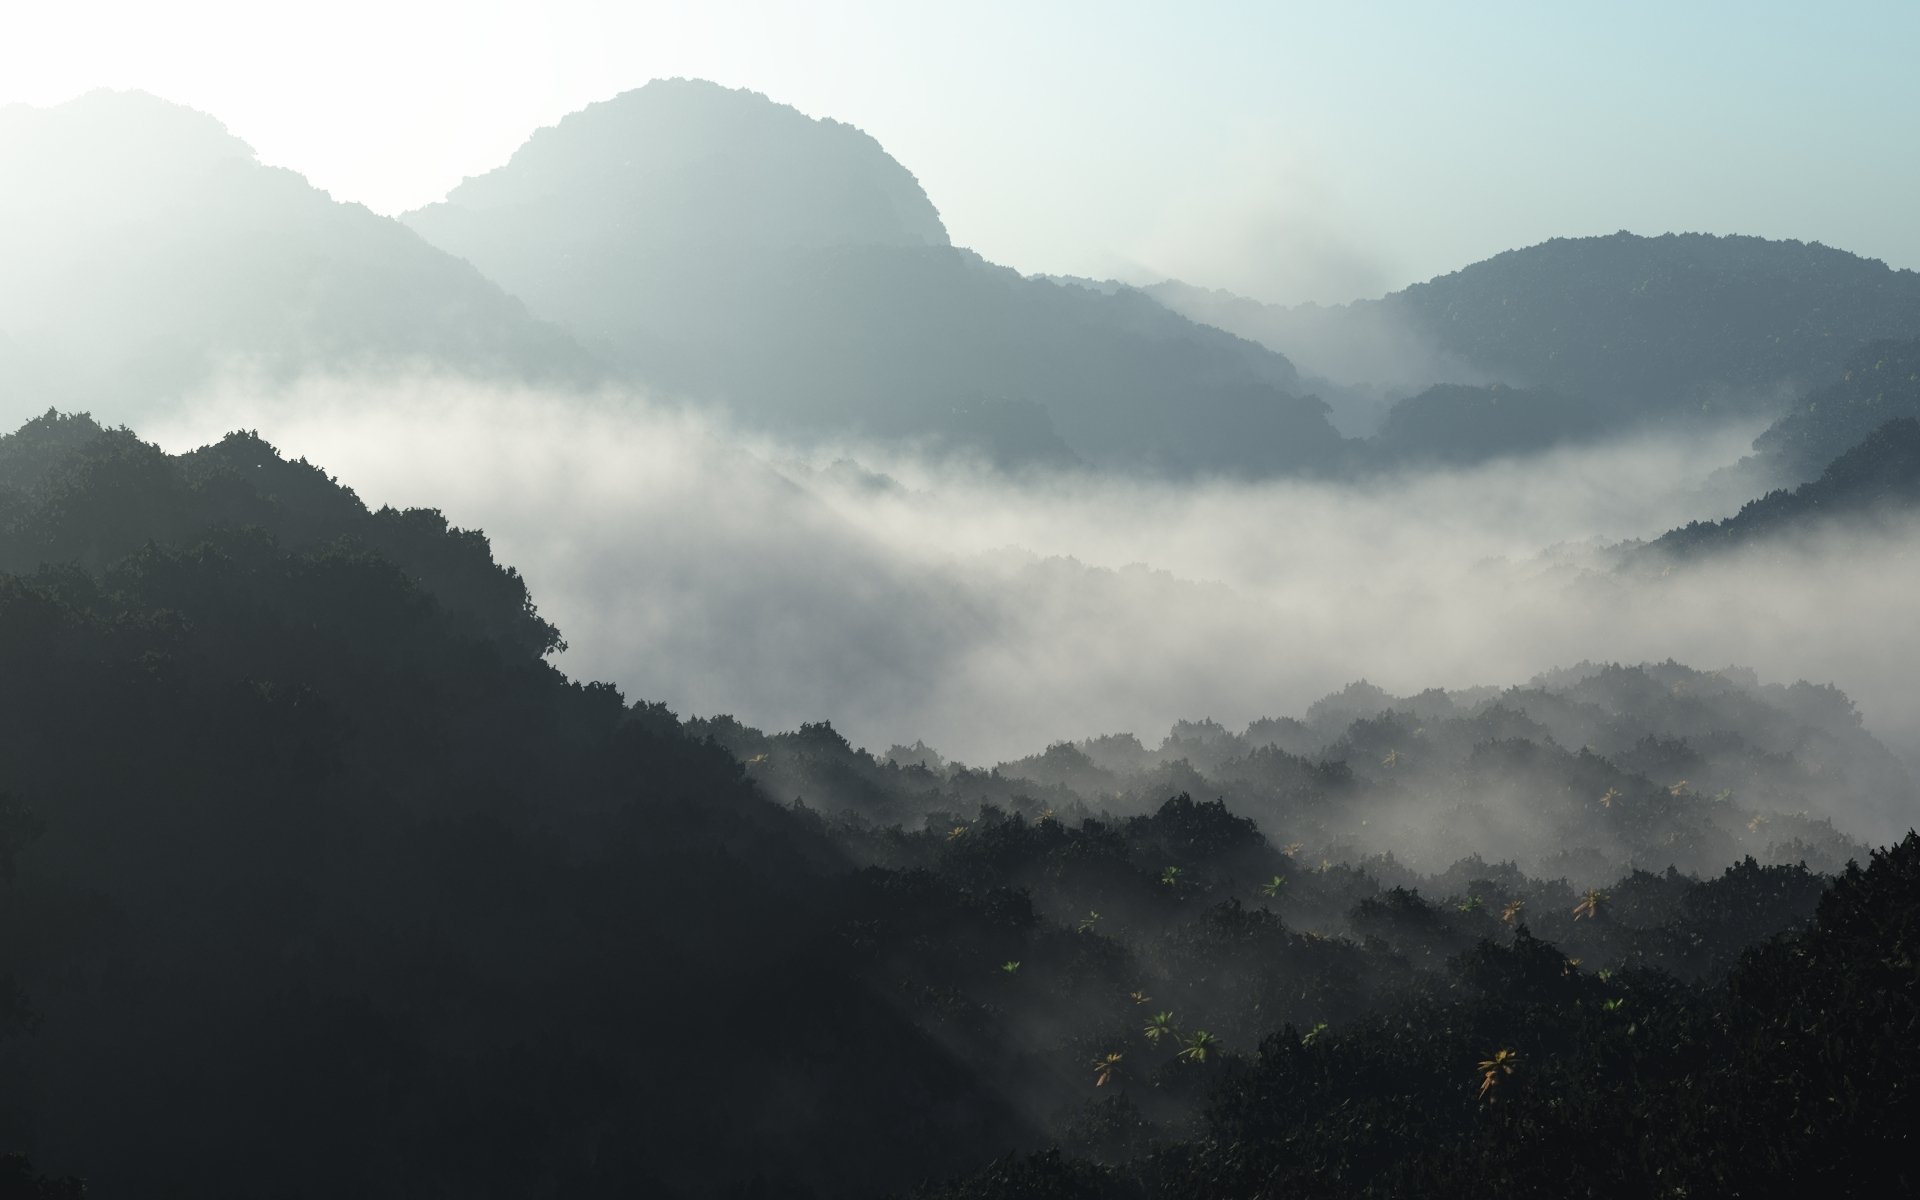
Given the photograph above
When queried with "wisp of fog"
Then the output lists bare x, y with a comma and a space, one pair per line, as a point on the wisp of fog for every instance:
904, 598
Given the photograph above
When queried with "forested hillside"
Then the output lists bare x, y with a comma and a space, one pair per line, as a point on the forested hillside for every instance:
1874, 483
1878, 383
320, 880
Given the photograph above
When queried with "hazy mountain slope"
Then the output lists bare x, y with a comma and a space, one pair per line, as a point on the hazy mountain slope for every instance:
729, 248
1879, 478
1877, 383
1680, 321
1638, 326
1353, 344
146, 248
1458, 423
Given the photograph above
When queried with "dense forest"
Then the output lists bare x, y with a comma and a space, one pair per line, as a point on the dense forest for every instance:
369, 899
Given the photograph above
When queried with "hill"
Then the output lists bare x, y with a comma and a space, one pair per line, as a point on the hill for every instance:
1878, 383
303, 844
726, 247
1879, 478
1664, 324
1667, 327
147, 250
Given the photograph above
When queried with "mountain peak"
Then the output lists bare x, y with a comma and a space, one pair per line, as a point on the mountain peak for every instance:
108, 135
688, 158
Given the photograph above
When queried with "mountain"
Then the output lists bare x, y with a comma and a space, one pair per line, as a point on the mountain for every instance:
1638, 327
1358, 345
147, 250
1659, 323
729, 248
1879, 478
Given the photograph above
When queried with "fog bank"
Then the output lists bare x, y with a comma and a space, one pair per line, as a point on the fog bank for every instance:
990, 616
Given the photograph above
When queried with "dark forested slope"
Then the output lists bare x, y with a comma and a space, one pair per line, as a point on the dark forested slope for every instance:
321, 882
318, 880
146, 249
729, 248
1517, 1071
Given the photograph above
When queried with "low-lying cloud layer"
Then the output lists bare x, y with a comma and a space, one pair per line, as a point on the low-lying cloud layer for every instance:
991, 616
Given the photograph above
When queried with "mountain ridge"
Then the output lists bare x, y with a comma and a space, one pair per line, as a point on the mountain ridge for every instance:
807, 324
1673, 327
150, 251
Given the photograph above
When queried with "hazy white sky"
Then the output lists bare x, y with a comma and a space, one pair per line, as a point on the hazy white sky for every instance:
1288, 150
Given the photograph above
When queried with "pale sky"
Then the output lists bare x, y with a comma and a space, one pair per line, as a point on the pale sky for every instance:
1290, 151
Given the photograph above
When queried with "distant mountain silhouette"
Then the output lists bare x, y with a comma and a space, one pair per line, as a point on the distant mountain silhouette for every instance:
1676, 325
146, 247
1663, 322
1880, 477
1359, 345
729, 248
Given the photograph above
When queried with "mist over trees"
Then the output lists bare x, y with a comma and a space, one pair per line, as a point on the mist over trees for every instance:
328, 867
355, 833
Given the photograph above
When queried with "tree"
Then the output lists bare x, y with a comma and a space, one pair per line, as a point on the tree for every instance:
1494, 1070
1199, 1045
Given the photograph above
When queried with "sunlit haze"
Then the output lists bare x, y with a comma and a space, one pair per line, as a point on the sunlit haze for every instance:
1287, 151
